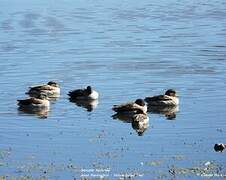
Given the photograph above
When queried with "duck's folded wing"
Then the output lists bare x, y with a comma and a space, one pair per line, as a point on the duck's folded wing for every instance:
24, 102
158, 98
37, 86
36, 101
126, 107
42, 88
76, 93
30, 101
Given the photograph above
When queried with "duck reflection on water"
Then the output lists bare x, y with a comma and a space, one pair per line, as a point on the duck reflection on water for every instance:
41, 113
169, 112
126, 118
139, 122
89, 105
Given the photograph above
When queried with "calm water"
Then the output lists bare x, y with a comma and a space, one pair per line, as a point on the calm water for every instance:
126, 50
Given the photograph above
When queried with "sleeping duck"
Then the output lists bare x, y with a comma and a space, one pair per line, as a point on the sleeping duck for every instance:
132, 108
83, 94
34, 103
51, 89
168, 99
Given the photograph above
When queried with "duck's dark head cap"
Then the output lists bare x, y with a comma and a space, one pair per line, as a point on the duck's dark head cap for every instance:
52, 83
140, 102
170, 92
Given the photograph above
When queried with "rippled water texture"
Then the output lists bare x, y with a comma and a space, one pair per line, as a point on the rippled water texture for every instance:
126, 50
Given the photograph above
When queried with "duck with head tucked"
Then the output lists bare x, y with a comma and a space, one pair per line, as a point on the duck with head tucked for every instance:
83, 94
170, 98
51, 89
131, 108
34, 103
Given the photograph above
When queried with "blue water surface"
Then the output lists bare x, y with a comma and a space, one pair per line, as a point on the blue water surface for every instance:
125, 50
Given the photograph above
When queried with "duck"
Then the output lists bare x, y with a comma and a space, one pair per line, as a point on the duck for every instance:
140, 123
34, 103
219, 147
83, 94
170, 98
131, 108
51, 89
